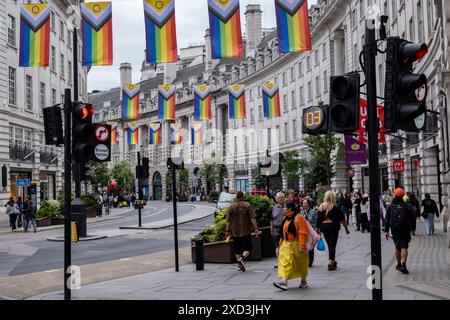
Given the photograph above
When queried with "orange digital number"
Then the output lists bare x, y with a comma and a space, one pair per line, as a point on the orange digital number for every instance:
313, 118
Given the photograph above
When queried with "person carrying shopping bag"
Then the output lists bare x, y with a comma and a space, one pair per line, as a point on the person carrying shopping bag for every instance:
293, 255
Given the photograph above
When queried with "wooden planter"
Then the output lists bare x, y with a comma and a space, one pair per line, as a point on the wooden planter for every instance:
57, 221
222, 252
267, 243
44, 222
91, 212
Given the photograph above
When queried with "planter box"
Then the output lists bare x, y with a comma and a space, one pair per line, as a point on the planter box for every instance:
222, 252
91, 212
44, 222
57, 221
267, 243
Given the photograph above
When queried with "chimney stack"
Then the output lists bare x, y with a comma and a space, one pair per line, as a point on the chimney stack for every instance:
253, 28
125, 73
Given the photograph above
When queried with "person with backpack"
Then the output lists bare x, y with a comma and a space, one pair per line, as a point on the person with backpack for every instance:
293, 257
399, 220
329, 221
430, 209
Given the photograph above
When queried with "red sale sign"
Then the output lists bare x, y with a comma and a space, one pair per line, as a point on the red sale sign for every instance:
398, 166
362, 131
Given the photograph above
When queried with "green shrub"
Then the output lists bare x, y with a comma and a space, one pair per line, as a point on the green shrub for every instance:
213, 195
263, 209
89, 200
50, 208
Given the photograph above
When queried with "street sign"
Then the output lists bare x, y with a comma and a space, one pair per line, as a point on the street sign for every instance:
102, 133
22, 182
101, 152
398, 166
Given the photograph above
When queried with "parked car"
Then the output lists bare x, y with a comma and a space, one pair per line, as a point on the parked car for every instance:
225, 200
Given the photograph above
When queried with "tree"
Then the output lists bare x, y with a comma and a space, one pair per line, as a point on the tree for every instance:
184, 179
123, 174
99, 174
211, 172
259, 182
292, 166
322, 166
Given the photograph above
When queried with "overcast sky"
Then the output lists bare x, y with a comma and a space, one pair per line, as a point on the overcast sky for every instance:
129, 34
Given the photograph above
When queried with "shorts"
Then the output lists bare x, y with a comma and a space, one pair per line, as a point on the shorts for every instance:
277, 238
241, 244
401, 242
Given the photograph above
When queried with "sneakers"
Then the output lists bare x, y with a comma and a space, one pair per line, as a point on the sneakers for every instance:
275, 266
403, 269
303, 285
398, 267
280, 285
332, 267
241, 264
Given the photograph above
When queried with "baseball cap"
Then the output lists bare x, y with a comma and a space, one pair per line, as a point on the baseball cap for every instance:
399, 192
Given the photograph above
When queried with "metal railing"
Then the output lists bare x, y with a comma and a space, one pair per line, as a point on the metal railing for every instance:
48, 158
21, 153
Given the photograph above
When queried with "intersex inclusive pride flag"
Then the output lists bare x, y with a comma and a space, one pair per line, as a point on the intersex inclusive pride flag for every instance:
130, 101
271, 100
166, 102
196, 134
155, 133
236, 101
114, 133
293, 25
225, 29
202, 102
133, 133
175, 133
34, 35
161, 35
97, 34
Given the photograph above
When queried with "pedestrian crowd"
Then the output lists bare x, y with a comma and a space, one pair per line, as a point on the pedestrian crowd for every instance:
22, 214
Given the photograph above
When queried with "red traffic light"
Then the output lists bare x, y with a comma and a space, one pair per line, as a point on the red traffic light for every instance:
84, 111
410, 52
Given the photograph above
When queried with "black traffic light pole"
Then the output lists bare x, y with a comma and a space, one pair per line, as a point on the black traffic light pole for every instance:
75, 98
370, 51
139, 174
67, 190
175, 221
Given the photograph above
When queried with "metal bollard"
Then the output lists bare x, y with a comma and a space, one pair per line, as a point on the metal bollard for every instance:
199, 255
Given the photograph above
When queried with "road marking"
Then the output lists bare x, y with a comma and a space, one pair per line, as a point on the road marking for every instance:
54, 270
125, 259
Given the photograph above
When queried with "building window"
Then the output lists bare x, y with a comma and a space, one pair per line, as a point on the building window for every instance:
317, 86
284, 79
411, 30
355, 55
286, 132
53, 20
63, 67
61, 35
354, 18
308, 63
19, 137
362, 9
53, 58
420, 20
324, 51
301, 96
69, 71
292, 74
309, 91
316, 57
53, 96
394, 9
261, 113
325, 81
259, 91
11, 31
300, 69
69, 39
250, 94
285, 103
293, 105
12, 86
252, 115
42, 95
29, 92
430, 17
294, 130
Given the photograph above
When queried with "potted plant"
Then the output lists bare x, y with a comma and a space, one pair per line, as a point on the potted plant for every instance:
49, 211
91, 203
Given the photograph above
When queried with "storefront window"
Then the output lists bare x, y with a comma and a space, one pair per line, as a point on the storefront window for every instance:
242, 185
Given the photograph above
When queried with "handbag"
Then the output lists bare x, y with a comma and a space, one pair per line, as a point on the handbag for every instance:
313, 237
321, 245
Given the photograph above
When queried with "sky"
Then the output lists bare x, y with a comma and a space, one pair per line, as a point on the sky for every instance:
129, 34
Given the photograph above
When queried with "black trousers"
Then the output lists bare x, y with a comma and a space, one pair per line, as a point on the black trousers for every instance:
331, 234
12, 220
311, 257
358, 219
364, 221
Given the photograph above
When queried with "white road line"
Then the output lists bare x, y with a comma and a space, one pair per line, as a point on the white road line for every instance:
54, 270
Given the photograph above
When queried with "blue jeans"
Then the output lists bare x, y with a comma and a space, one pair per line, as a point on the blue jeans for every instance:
30, 223
429, 224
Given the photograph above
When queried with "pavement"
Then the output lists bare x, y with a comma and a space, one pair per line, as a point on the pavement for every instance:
429, 277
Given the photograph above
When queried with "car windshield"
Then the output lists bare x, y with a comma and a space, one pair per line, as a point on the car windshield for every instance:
226, 197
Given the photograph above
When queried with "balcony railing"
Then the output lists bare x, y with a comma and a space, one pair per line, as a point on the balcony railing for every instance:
21, 153
48, 158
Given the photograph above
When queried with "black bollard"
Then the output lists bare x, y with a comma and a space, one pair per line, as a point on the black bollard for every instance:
199, 255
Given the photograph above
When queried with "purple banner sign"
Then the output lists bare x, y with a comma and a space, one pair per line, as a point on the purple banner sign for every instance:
355, 152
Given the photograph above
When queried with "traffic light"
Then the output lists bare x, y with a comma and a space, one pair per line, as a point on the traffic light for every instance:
4, 176
344, 103
315, 120
53, 126
83, 131
145, 168
405, 92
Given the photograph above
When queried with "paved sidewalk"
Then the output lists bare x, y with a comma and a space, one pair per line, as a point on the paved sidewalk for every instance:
224, 282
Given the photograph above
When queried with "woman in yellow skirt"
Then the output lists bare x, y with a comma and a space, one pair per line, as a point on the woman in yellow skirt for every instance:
293, 258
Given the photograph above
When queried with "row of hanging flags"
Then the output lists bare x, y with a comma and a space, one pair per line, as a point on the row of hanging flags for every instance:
161, 41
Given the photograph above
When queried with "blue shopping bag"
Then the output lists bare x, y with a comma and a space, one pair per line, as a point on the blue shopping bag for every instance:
320, 245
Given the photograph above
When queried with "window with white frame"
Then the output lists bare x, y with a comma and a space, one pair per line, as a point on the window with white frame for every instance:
252, 115
259, 91
250, 94
62, 66
317, 86
285, 103
69, 38
20, 138
53, 20
284, 78
310, 91
261, 113
62, 34
316, 57
11, 31
12, 85
53, 96
293, 102
69, 71
42, 95
308, 63
300, 69
292, 74
420, 25
286, 132
362, 9
53, 58
325, 81
324, 51
294, 130
28, 92
411, 30
301, 96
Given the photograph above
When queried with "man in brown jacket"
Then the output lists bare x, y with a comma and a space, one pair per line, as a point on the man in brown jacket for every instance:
241, 222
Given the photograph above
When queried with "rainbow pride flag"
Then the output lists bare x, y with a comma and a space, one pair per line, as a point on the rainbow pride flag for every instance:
34, 35
166, 102
236, 101
133, 133
155, 133
293, 25
130, 101
196, 134
97, 33
225, 29
114, 133
271, 100
202, 102
175, 133
161, 35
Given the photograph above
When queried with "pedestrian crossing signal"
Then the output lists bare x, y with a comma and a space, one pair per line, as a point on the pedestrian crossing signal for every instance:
315, 120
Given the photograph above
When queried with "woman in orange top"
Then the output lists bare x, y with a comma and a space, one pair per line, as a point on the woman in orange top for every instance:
293, 258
